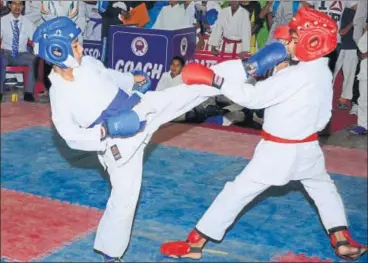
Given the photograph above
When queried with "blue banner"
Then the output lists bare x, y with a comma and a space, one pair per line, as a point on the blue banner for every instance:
92, 48
148, 50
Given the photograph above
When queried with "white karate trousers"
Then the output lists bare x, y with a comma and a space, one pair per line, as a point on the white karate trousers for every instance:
304, 162
347, 61
159, 107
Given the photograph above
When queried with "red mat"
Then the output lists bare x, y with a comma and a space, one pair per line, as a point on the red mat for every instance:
38, 225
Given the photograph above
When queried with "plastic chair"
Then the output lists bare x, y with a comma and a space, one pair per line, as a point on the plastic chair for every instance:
39, 87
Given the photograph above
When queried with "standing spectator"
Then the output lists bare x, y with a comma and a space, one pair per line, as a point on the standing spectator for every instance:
359, 24
361, 128
348, 58
254, 10
16, 31
233, 23
94, 22
204, 29
110, 11
172, 17
262, 35
40, 11
189, 7
334, 9
360, 20
281, 13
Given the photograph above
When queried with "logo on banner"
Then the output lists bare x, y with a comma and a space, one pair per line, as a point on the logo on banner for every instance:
183, 46
139, 46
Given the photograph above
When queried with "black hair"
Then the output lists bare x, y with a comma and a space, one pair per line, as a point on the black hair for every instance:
180, 59
23, 2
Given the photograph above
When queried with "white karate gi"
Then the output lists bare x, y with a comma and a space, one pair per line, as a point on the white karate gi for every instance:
233, 27
190, 12
347, 62
362, 76
93, 28
360, 19
166, 81
298, 102
77, 104
40, 11
172, 18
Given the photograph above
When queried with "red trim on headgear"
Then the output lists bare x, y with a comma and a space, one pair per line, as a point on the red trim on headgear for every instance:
317, 34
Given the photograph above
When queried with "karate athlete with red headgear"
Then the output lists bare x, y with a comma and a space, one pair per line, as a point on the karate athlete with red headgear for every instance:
289, 149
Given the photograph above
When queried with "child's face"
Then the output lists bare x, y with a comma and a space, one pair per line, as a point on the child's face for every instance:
175, 67
292, 44
77, 51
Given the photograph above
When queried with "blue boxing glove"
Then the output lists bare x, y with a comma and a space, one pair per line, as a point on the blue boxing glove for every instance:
125, 123
265, 59
143, 86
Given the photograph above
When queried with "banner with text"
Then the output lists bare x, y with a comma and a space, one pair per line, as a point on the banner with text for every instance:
148, 50
92, 48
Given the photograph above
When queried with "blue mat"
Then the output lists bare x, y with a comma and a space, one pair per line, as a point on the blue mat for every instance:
178, 186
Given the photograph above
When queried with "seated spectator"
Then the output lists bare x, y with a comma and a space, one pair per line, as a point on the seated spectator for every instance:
16, 31
233, 24
348, 58
173, 77
172, 17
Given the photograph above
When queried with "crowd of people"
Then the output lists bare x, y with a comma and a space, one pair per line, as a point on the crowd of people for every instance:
237, 27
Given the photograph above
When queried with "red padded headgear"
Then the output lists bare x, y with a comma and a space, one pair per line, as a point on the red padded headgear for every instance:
317, 34
282, 32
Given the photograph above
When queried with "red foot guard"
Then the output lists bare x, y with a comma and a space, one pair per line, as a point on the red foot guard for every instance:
179, 249
349, 243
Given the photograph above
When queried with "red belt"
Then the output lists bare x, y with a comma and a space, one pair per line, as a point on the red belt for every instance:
269, 137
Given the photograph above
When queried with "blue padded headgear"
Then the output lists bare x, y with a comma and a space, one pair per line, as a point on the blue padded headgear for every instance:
56, 35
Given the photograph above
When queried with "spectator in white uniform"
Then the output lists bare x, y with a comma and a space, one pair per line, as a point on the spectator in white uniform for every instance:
189, 8
94, 23
233, 23
360, 20
40, 11
361, 128
172, 17
334, 9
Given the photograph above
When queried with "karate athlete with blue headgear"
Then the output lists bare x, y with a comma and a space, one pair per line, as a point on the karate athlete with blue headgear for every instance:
297, 101
112, 113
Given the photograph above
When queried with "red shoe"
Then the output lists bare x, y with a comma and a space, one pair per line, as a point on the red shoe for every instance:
183, 249
349, 242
